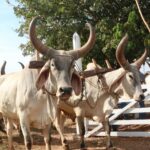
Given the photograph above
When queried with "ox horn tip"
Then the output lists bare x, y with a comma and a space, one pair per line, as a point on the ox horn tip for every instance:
126, 37
87, 24
35, 18
124, 40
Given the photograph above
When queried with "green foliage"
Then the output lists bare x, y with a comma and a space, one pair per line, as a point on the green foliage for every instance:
111, 19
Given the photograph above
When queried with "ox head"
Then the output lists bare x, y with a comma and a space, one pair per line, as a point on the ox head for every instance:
130, 79
60, 65
2, 70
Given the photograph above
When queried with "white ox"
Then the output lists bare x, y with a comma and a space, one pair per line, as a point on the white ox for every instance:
21, 100
101, 95
147, 75
2, 126
147, 78
147, 81
3, 119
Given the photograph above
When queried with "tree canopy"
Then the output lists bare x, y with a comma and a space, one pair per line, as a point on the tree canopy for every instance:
111, 19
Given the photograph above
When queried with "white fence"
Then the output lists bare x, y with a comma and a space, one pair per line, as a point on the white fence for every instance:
128, 109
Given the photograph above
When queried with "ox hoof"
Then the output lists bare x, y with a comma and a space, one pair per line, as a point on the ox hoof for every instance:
20, 133
82, 146
66, 147
109, 145
11, 148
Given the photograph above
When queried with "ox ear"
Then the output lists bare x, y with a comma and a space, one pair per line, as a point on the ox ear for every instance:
43, 75
76, 83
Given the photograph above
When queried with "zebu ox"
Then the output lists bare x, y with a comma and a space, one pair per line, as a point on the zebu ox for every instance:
101, 94
22, 99
2, 126
147, 76
3, 119
147, 81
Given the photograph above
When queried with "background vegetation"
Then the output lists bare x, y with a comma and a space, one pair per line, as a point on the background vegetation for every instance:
111, 19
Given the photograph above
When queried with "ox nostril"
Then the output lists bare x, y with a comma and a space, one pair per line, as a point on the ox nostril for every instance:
69, 90
144, 90
142, 97
61, 90
65, 90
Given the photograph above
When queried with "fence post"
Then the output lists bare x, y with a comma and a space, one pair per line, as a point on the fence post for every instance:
78, 67
77, 44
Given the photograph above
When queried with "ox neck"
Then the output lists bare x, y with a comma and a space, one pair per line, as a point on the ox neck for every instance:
113, 80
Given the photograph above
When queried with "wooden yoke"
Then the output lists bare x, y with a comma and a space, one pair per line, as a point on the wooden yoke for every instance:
93, 72
36, 64
101, 79
98, 70
96, 66
108, 64
84, 74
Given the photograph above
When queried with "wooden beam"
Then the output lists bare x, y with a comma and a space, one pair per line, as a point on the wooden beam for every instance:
126, 134
96, 129
36, 64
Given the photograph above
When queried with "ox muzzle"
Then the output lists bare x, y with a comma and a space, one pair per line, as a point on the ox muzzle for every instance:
139, 97
64, 93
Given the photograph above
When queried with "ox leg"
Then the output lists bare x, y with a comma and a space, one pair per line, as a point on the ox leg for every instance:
80, 123
9, 128
2, 126
59, 124
107, 129
20, 131
47, 137
26, 131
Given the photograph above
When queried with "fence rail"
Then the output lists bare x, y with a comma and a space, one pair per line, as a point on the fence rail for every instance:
128, 109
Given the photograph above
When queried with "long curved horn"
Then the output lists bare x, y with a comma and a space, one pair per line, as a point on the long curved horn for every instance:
142, 59
22, 65
3, 68
39, 46
77, 53
120, 53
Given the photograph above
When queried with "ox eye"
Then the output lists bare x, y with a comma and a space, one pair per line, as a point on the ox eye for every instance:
52, 64
131, 77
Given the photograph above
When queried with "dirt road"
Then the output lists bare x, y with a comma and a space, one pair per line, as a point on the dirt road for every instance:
92, 143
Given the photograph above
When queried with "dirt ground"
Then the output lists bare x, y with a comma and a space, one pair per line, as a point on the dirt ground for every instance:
92, 143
